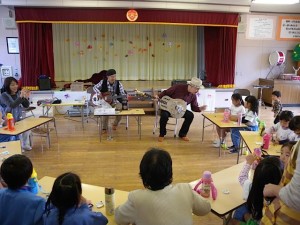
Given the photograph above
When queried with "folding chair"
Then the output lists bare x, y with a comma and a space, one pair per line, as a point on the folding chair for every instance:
156, 122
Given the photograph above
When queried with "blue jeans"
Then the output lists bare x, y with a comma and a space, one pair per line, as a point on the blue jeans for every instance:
240, 212
5, 138
236, 136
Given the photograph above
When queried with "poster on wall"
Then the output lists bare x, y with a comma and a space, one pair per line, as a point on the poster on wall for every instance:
288, 28
12, 45
260, 27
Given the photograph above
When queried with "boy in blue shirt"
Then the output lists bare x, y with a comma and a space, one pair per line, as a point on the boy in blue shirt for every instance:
17, 203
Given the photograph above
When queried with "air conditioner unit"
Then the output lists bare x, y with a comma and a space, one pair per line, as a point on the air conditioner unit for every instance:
9, 23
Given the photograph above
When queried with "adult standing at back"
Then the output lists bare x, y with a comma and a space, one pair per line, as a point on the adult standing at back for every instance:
161, 202
186, 92
111, 87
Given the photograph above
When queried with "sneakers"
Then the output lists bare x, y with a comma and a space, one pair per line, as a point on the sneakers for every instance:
216, 141
26, 148
224, 146
185, 138
160, 138
234, 150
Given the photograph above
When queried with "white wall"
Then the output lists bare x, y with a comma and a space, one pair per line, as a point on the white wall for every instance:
251, 57
5, 58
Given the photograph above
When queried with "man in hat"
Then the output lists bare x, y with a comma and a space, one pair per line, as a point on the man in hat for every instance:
114, 87
186, 92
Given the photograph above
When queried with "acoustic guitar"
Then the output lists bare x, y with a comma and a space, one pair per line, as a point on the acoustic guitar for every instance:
176, 107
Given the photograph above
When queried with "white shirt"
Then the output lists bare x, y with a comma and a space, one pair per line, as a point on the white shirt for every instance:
251, 117
281, 134
235, 110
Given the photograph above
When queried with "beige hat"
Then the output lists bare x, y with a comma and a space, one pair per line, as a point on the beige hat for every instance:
195, 82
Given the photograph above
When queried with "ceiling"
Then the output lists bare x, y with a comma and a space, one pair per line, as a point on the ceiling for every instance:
240, 6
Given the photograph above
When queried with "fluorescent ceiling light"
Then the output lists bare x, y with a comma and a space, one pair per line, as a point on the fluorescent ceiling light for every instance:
273, 2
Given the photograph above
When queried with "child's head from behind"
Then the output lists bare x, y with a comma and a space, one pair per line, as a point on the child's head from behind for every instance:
237, 99
251, 103
284, 118
16, 170
294, 125
267, 171
286, 151
276, 95
66, 191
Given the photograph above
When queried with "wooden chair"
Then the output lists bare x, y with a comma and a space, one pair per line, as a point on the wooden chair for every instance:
44, 131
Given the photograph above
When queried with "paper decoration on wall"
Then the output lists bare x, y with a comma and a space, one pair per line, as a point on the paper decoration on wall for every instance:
130, 42
89, 47
164, 35
81, 53
178, 46
150, 44
153, 55
170, 44
103, 35
95, 38
67, 39
111, 44
77, 43
130, 52
126, 55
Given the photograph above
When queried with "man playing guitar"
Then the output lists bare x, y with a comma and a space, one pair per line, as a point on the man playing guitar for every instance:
112, 87
186, 92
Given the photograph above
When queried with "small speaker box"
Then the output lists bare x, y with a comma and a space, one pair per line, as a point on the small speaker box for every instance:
44, 84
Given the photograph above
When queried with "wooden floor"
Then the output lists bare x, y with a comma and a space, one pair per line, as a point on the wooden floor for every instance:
116, 163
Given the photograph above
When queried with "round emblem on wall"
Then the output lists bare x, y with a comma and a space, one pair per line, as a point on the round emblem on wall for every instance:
132, 15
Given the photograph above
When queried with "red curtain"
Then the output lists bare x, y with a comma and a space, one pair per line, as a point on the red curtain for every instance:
71, 15
220, 52
36, 52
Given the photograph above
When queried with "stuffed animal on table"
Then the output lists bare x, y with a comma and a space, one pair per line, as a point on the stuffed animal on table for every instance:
207, 186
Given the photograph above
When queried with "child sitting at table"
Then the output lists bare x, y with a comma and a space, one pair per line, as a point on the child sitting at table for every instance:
294, 125
267, 171
236, 108
67, 206
285, 152
281, 131
17, 202
250, 119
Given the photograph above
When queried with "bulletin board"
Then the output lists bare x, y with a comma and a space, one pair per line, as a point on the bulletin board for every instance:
261, 27
288, 28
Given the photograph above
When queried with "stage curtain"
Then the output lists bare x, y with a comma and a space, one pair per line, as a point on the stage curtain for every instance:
145, 16
220, 53
36, 52
137, 52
